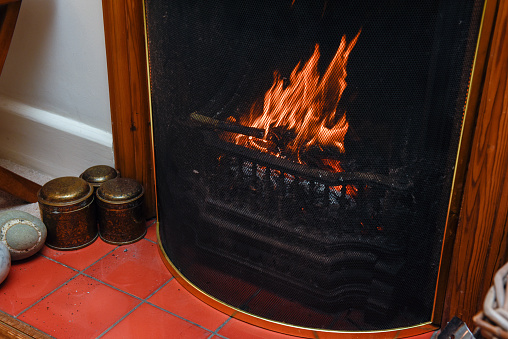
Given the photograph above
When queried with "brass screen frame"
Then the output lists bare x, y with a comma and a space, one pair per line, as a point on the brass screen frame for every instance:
467, 132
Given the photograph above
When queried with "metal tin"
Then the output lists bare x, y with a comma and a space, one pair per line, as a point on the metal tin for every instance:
96, 175
67, 210
120, 211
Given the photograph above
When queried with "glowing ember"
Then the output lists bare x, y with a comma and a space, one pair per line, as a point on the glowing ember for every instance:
302, 113
334, 166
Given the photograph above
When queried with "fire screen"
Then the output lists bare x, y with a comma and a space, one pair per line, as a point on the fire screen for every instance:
305, 151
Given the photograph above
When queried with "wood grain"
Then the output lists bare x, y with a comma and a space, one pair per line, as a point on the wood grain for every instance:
480, 246
128, 90
8, 25
11, 327
18, 186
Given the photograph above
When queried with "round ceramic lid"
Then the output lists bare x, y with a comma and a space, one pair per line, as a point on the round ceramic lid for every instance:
120, 190
64, 191
99, 174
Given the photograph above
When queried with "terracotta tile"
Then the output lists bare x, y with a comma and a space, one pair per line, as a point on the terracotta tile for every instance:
136, 268
81, 258
149, 322
151, 232
239, 329
175, 298
83, 308
30, 280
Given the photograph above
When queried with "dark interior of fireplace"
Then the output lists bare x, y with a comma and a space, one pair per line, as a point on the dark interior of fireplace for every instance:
285, 235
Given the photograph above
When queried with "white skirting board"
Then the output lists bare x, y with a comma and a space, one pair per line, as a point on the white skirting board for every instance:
50, 143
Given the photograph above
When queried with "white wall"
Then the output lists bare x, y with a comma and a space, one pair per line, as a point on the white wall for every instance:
54, 100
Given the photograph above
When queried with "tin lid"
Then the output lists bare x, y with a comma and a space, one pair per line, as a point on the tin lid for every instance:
65, 191
120, 190
96, 175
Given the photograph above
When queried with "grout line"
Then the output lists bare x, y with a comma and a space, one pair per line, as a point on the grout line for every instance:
75, 269
152, 222
113, 287
132, 310
119, 320
217, 335
95, 262
47, 295
180, 317
125, 292
221, 326
58, 262
153, 242
231, 317
142, 301
158, 289
81, 272
104, 256
78, 273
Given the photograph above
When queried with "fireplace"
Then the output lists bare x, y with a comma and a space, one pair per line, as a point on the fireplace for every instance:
305, 153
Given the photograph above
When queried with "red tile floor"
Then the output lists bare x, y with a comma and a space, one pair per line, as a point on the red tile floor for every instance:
108, 291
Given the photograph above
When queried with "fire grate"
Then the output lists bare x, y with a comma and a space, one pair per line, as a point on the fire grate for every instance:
331, 204
333, 240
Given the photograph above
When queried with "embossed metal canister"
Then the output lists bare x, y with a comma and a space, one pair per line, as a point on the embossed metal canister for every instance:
67, 210
120, 211
96, 175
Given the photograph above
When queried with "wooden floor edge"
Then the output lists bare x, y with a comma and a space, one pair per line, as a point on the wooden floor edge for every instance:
11, 327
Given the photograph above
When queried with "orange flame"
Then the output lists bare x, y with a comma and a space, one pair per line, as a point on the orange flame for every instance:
307, 106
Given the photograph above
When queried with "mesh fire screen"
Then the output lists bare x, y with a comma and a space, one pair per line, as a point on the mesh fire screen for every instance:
305, 151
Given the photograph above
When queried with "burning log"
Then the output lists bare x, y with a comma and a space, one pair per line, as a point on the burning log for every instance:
330, 178
277, 137
322, 176
227, 126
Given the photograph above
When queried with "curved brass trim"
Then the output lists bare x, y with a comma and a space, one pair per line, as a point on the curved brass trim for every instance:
276, 326
149, 85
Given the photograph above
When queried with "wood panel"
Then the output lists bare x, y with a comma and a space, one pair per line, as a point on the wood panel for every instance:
18, 186
481, 239
128, 91
8, 25
11, 327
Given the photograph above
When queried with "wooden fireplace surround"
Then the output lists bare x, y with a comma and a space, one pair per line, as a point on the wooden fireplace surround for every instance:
479, 208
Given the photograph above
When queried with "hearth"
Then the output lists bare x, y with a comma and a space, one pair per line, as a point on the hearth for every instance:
305, 152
